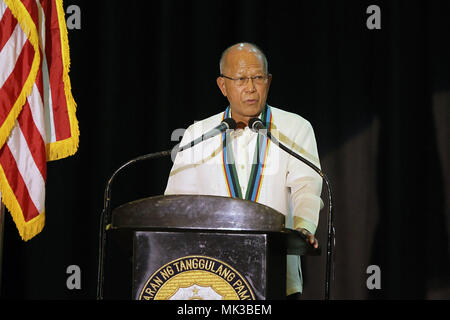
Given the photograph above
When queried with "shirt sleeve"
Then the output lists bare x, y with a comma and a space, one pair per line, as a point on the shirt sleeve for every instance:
304, 183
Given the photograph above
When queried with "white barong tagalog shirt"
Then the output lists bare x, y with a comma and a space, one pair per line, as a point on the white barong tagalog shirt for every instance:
286, 184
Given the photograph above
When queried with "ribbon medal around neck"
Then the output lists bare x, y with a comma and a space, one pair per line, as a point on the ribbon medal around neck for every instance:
260, 157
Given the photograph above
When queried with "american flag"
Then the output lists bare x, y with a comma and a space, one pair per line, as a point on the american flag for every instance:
37, 110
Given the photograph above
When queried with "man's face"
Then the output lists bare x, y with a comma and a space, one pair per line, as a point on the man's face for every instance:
248, 100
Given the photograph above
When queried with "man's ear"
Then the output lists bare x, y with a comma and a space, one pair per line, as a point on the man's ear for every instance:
269, 81
221, 85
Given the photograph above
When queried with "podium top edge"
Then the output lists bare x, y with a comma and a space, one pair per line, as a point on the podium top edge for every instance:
197, 212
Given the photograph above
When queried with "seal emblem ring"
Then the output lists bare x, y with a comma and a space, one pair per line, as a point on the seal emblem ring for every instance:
196, 278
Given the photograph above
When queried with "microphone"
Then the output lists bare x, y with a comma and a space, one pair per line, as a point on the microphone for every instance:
225, 125
256, 125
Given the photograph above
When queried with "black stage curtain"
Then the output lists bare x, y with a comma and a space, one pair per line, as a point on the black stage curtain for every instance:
378, 100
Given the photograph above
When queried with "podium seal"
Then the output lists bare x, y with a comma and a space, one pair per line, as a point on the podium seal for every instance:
196, 278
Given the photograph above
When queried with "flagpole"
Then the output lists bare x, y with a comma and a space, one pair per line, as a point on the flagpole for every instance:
2, 224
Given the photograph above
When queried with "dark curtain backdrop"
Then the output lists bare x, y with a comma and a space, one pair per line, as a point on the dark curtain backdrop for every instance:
378, 100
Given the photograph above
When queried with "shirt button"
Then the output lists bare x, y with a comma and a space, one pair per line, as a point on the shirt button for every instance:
242, 167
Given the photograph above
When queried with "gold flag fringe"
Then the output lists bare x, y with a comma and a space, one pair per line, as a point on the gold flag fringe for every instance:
67, 147
27, 229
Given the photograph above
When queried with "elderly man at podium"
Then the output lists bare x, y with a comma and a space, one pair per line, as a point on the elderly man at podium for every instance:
246, 165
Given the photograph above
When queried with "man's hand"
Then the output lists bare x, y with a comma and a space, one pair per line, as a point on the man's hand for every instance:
310, 237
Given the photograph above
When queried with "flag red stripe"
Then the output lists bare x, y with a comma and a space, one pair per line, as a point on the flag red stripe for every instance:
32, 9
33, 138
17, 184
55, 69
7, 26
12, 87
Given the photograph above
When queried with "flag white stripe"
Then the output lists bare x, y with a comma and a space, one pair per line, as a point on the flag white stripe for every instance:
50, 135
31, 175
36, 107
11, 52
48, 104
41, 22
3, 8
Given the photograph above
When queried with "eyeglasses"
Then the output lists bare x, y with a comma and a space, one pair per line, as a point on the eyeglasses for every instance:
242, 81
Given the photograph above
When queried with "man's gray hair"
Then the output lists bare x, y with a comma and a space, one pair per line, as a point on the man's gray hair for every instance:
242, 44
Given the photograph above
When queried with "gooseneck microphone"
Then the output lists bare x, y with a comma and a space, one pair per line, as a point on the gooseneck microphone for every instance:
226, 124
256, 125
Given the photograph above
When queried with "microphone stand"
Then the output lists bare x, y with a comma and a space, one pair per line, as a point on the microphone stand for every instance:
330, 225
226, 124
105, 215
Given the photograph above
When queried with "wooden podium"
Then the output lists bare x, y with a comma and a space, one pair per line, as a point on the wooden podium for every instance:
194, 247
